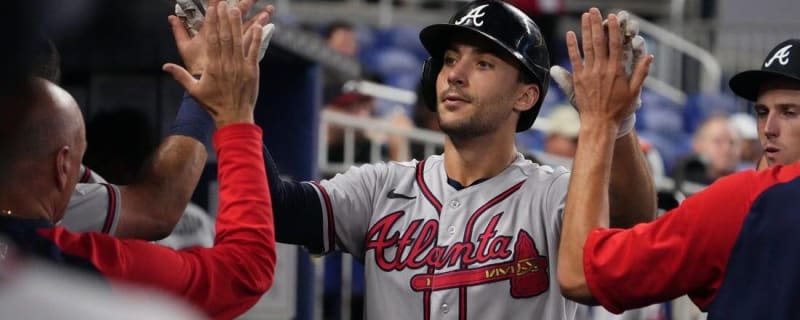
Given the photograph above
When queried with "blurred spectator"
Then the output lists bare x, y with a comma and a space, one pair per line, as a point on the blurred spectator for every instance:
562, 127
341, 36
353, 104
745, 125
716, 147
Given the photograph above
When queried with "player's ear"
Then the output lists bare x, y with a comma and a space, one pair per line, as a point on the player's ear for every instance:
526, 96
62, 170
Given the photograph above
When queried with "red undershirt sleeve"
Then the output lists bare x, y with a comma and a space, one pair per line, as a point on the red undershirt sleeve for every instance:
684, 251
223, 281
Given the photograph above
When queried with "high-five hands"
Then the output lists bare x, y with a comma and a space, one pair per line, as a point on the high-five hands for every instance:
190, 38
603, 90
633, 50
229, 86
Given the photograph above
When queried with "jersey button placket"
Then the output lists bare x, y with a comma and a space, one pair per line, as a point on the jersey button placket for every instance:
454, 204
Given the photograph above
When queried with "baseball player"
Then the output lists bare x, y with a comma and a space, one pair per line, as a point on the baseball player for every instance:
732, 247
472, 233
156, 201
43, 141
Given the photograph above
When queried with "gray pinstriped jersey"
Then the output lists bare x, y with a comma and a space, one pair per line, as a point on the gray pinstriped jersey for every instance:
488, 251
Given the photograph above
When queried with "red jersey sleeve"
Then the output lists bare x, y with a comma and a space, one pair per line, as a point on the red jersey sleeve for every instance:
223, 281
684, 251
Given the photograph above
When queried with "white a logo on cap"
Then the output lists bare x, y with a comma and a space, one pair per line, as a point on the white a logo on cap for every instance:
474, 14
782, 55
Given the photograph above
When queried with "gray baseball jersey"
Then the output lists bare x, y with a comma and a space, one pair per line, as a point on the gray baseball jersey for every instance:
194, 229
430, 251
94, 206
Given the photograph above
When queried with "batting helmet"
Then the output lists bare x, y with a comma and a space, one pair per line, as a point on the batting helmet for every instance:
510, 29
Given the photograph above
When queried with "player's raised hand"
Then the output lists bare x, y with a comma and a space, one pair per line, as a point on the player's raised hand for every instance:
603, 90
229, 87
633, 50
189, 33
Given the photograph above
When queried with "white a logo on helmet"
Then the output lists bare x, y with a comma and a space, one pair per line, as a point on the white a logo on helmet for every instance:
782, 55
475, 15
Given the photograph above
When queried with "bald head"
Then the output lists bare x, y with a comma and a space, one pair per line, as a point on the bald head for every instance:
36, 119
42, 140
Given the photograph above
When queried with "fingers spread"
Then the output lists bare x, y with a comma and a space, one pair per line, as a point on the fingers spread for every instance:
262, 17
245, 5
255, 44
178, 30
573, 51
181, 76
640, 74
614, 42
586, 36
639, 48
247, 40
225, 34
212, 29
236, 32
598, 36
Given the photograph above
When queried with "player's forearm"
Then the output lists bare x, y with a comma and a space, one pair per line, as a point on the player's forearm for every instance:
155, 201
632, 193
298, 213
586, 207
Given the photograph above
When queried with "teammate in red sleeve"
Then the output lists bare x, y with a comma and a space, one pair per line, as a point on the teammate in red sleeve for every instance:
43, 141
732, 248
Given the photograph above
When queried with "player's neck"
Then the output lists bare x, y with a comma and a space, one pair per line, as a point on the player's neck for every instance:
17, 205
478, 158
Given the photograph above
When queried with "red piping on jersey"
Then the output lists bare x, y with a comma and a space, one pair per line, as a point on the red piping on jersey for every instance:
112, 207
426, 295
483, 208
329, 212
462, 291
425, 191
86, 174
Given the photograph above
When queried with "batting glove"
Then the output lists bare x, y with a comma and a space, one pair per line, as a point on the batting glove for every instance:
192, 17
634, 49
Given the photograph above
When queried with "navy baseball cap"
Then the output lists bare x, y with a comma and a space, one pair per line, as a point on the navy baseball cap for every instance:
782, 63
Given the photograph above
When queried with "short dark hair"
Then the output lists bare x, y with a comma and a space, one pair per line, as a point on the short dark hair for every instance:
336, 25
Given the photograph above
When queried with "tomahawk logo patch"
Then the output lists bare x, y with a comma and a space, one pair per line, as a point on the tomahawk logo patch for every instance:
475, 15
782, 55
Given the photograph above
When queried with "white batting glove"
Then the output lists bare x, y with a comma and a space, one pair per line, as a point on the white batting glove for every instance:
192, 18
266, 36
190, 14
633, 49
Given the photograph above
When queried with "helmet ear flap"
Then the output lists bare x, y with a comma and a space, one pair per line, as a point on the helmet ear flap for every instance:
430, 71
